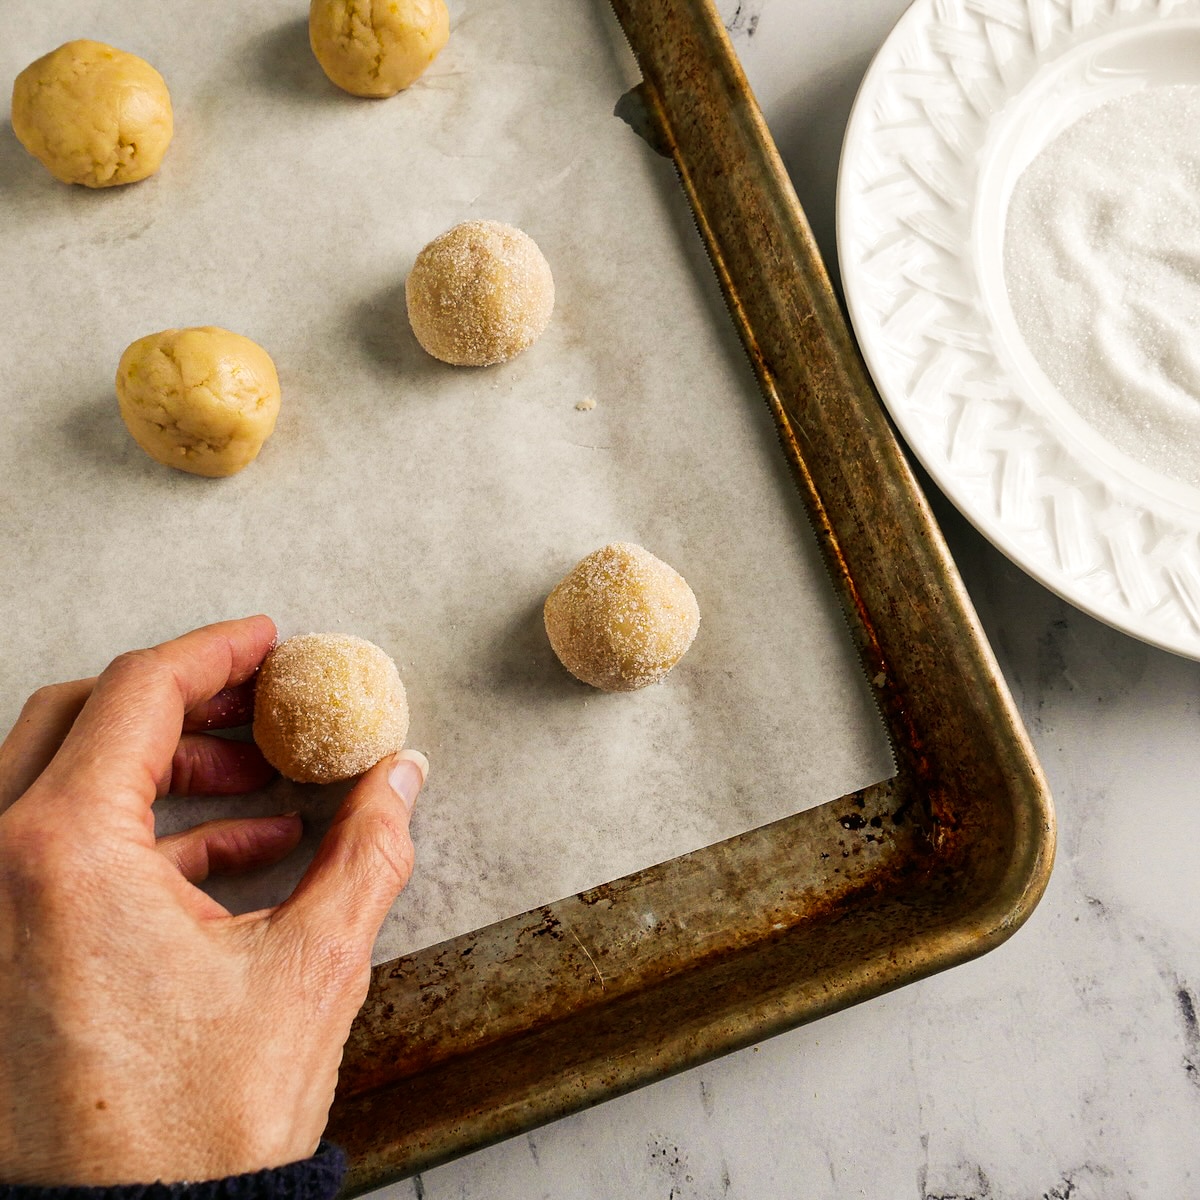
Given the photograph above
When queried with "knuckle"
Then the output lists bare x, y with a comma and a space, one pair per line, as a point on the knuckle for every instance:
39, 700
45, 699
147, 670
385, 843
133, 663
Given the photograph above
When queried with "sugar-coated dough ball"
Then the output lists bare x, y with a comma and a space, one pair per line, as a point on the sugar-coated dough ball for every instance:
376, 47
479, 293
93, 115
327, 707
203, 400
621, 619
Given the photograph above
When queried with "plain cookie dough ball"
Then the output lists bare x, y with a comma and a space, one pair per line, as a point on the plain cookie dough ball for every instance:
327, 707
621, 619
377, 47
479, 293
94, 115
203, 400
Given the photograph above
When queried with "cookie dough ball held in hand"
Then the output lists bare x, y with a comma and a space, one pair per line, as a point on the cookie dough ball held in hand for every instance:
479, 294
621, 619
203, 400
93, 115
376, 48
328, 707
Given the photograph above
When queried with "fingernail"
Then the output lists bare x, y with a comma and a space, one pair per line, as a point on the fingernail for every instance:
407, 776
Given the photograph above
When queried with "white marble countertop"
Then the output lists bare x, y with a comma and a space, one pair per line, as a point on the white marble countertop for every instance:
1064, 1064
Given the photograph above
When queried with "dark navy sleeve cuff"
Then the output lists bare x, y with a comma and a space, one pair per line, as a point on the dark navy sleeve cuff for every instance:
316, 1178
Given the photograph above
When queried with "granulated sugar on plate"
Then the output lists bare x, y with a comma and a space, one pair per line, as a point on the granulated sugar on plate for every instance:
1102, 265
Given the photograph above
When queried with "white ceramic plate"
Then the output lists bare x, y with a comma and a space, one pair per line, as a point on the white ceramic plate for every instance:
962, 96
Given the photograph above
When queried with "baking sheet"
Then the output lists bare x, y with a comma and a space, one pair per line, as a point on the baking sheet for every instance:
424, 507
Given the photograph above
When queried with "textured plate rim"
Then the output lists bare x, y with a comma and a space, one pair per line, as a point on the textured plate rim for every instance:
1122, 552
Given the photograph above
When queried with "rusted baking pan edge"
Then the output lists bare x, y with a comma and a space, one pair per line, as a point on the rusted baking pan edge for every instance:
521, 1022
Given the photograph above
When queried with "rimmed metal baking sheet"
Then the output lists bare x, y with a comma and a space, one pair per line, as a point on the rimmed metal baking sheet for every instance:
533, 1017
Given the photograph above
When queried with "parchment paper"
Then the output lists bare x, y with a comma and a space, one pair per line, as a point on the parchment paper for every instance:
424, 507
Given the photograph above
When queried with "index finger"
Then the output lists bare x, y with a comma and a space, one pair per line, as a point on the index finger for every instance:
122, 742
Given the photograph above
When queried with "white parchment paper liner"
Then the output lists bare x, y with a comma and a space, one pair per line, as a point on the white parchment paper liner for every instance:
427, 508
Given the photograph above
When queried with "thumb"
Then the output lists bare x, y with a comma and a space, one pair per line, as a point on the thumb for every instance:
364, 860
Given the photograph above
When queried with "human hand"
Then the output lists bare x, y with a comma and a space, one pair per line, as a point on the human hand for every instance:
145, 1033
